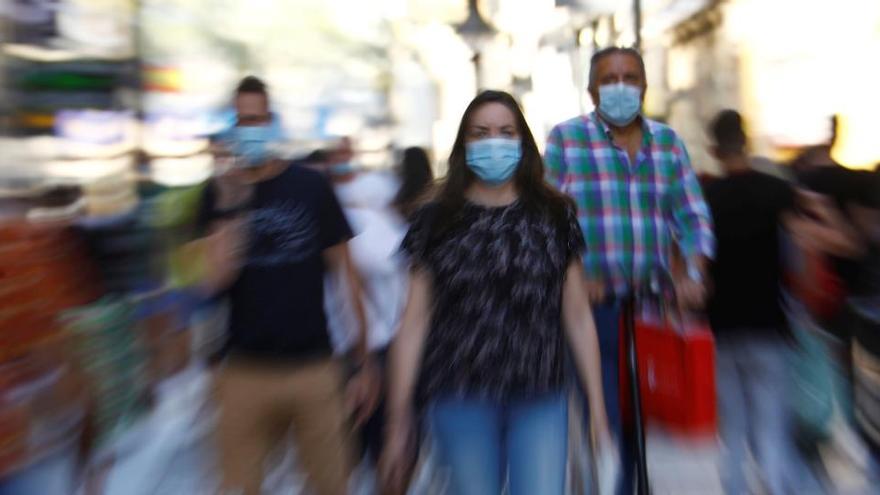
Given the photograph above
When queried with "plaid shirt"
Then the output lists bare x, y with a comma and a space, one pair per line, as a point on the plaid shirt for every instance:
629, 214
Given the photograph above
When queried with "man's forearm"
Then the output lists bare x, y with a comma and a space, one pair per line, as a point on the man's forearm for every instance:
339, 261
357, 294
356, 285
223, 251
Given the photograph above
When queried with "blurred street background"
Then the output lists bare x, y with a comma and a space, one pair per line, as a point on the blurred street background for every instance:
107, 106
97, 79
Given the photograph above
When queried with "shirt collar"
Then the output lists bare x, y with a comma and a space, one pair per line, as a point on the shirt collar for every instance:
601, 124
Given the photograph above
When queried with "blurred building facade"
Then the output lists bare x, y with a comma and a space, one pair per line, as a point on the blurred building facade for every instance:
787, 65
397, 73
118, 98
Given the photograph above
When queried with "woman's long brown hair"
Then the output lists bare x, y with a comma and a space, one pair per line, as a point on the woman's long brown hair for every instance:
533, 190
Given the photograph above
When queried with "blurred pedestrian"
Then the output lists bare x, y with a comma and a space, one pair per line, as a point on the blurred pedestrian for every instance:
866, 308
495, 291
378, 231
833, 204
834, 267
338, 161
416, 180
273, 229
636, 191
746, 314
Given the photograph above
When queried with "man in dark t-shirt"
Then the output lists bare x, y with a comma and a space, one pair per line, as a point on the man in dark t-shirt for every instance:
744, 309
272, 232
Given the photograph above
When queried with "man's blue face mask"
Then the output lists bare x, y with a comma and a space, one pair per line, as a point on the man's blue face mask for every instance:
253, 145
619, 103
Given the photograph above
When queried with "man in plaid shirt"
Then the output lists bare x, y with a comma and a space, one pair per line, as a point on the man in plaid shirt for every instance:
637, 194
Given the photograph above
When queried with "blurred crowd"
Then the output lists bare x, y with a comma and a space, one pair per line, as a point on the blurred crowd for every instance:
462, 335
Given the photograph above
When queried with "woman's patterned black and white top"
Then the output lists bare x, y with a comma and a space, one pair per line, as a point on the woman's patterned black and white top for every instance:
496, 323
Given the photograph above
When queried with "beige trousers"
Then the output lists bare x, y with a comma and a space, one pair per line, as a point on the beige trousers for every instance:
260, 404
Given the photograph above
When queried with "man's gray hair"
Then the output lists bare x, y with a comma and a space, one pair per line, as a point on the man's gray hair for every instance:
607, 52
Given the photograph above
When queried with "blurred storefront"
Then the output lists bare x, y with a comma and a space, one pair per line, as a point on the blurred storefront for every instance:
105, 109
787, 65
325, 62
397, 73
70, 87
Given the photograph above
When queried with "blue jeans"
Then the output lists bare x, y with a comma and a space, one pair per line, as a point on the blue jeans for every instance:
54, 474
607, 318
752, 379
479, 441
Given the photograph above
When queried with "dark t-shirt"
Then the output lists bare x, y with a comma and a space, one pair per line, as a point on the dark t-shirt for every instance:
497, 277
747, 271
277, 302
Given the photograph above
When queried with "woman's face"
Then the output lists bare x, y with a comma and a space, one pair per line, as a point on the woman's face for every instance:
491, 120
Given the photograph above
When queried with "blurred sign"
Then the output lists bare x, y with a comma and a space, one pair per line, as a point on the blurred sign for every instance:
184, 126
162, 79
32, 21
92, 126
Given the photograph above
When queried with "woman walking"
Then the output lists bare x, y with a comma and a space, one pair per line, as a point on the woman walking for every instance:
496, 293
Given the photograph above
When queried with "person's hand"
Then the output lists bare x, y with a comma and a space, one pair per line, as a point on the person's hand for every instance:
398, 455
231, 183
595, 291
817, 206
607, 465
362, 393
820, 226
691, 293
233, 188
225, 250
802, 231
230, 238
601, 432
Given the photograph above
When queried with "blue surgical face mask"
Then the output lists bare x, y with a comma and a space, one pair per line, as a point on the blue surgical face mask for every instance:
253, 144
494, 160
340, 169
619, 104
